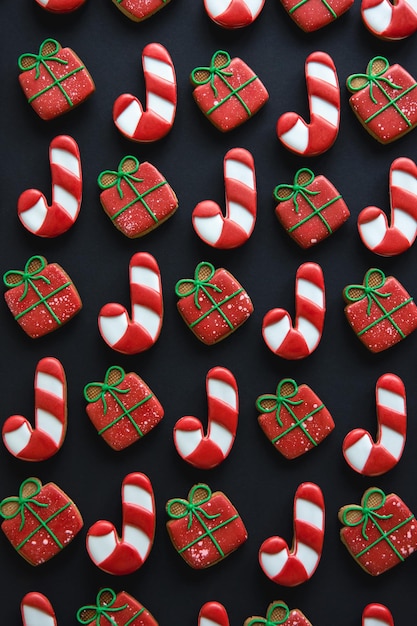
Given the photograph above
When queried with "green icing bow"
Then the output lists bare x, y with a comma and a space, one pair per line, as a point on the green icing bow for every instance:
104, 609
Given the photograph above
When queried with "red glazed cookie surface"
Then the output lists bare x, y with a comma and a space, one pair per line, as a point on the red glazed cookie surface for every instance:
310, 15
279, 613
118, 609
138, 10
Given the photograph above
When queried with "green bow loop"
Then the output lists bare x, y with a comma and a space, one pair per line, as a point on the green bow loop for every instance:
22, 501
372, 78
189, 507
216, 69
27, 276
36, 60
268, 621
100, 609
100, 389
366, 513
366, 291
120, 175
297, 188
197, 284
280, 400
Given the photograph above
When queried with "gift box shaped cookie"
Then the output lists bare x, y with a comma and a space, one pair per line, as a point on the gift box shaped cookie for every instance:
379, 533
139, 10
228, 92
206, 528
310, 15
39, 522
117, 609
279, 613
310, 209
213, 304
122, 408
295, 420
42, 297
384, 99
136, 197
55, 80
380, 311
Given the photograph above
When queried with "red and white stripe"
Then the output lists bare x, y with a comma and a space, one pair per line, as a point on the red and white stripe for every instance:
374, 458
140, 332
36, 610
161, 99
213, 614
207, 451
293, 567
298, 341
51, 220
389, 20
120, 556
43, 441
377, 615
240, 188
60, 6
373, 226
233, 13
324, 104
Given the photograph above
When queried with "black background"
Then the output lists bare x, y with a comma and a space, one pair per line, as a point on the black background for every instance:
259, 482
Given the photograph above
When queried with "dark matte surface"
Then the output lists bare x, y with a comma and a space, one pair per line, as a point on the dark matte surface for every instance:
259, 482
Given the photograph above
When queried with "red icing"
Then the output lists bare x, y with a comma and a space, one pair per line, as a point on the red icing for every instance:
294, 616
138, 10
127, 607
314, 14
60, 6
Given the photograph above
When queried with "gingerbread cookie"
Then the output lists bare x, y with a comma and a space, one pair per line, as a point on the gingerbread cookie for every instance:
42, 297
60, 6
117, 609
36, 610
139, 10
379, 533
206, 528
228, 92
39, 522
389, 21
213, 614
212, 304
233, 13
377, 615
310, 15
279, 613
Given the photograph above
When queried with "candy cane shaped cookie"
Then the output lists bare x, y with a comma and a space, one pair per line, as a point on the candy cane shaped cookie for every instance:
390, 20
377, 615
240, 187
51, 220
324, 103
161, 99
36, 610
301, 340
293, 567
43, 441
140, 332
373, 224
120, 556
60, 6
374, 458
233, 13
213, 614
207, 451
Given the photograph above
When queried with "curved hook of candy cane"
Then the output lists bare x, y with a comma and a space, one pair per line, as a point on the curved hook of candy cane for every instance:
140, 332
388, 20
121, 556
293, 567
298, 341
51, 220
233, 13
377, 615
375, 458
213, 614
60, 6
36, 610
324, 105
161, 99
236, 227
208, 451
373, 226
43, 441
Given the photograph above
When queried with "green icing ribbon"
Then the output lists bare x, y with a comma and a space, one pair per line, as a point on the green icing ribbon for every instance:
41, 60
218, 69
102, 609
203, 286
268, 621
113, 390
286, 402
129, 179
377, 79
369, 515
325, 3
301, 189
192, 509
373, 295
25, 505
27, 278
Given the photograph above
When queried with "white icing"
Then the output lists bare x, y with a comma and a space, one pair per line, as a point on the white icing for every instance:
319, 70
323, 108
34, 217
137, 538
373, 232
17, 440
373, 621
297, 137
273, 563
308, 557
378, 18
47, 422
392, 441
309, 512
205, 621
102, 546
309, 332
65, 199
217, 388
406, 181
49, 383
405, 223
144, 276
275, 334
67, 160
44, 2
114, 327
162, 107
209, 228
158, 68
358, 453
241, 216
217, 7
221, 437
147, 318
133, 494
240, 171
129, 118
311, 291
254, 6
412, 4
390, 400
187, 441
35, 617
